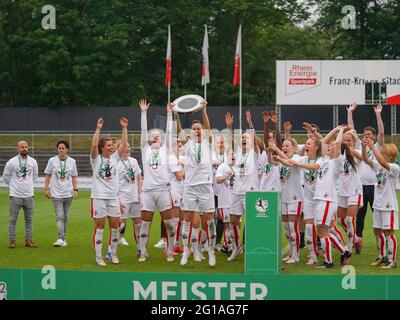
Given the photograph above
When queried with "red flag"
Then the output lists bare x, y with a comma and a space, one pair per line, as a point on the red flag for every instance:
168, 65
238, 57
205, 72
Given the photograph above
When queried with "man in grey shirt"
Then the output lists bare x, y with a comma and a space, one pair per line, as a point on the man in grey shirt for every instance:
20, 174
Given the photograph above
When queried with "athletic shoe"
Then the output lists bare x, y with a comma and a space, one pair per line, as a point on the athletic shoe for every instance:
13, 244
325, 265
122, 241
109, 255
30, 244
287, 258
178, 249
359, 246
170, 258
312, 261
161, 244
64, 243
234, 255
212, 261
390, 265
59, 243
197, 256
185, 258
380, 261
142, 258
229, 253
292, 260
100, 262
286, 250
345, 257
115, 260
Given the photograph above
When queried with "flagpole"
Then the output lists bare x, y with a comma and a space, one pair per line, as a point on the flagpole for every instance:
169, 92
240, 82
205, 91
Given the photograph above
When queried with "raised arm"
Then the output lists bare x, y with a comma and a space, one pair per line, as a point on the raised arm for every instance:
144, 106
251, 126
382, 161
124, 136
337, 145
366, 159
278, 138
169, 129
229, 125
309, 128
95, 140
206, 120
331, 134
266, 118
381, 127
287, 127
350, 111
273, 148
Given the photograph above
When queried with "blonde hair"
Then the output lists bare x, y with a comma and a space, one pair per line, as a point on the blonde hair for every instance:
391, 151
354, 134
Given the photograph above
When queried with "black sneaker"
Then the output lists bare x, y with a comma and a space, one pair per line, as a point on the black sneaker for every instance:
378, 261
345, 257
325, 265
358, 246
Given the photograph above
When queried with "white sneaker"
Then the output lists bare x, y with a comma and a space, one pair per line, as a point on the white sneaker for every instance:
312, 261
197, 256
142, 258
292, 260
59, 243
123, 242
64, 244
100, 262
109, 255
170, 258
185, 258
161, 244
115, 260
234, 255
212, 260
286, 258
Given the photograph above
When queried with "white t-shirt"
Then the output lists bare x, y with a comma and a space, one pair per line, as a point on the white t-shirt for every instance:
291, 179
105, 182
20, 174
247, 167
227, 187
198, 163
129, 173
175, 166
270, 180
309, 178
349, 179
61, 172
367, 174
327, 176
385, 187
155, 168
217, 160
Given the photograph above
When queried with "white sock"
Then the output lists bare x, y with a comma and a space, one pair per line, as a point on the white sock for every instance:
227, 237
136, 233
335, 241
392, 246
114, 241
350, 233
177, 228
311, 240
186, 230
144, 236
212, 234
122, 228
294, 239
98, 241
337, 233
327, 248
169, 227
194, 239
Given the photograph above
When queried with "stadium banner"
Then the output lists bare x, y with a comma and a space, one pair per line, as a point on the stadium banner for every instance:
337, 82
75, 285
263, 233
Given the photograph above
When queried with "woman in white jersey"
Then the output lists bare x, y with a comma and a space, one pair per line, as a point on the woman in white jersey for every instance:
350, 189
61, 176
130, 188
156, 191
105, 185
292, 195
176, 176
385, 214
198, 194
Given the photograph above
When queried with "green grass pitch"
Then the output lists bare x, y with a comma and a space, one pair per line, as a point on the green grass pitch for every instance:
79, 254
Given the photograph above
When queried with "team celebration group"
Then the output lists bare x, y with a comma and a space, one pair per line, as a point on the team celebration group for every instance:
197, 181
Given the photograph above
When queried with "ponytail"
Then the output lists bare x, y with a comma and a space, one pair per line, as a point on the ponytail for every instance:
349, 156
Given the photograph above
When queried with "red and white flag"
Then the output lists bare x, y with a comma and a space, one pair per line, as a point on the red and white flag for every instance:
238, 57
168, 65
205, 70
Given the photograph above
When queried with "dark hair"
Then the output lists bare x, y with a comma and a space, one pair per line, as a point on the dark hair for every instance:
197, 121
349, 156
370, 129
102, 142
65, 143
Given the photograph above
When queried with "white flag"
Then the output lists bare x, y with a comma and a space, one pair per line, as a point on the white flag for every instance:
205, 71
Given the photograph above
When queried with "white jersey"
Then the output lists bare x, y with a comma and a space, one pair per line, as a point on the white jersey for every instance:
247, 167
385, 188
20, 174
349, 179
367, 174
327, 176
198, 163
309, 178
227, 187
217, 160
129, 173
269, 175
61, 172
291, 179
175, 166
105, 182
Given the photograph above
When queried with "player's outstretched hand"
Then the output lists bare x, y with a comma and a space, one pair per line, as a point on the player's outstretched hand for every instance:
228, 120
352, 107
144, 105
100, 123
123, 122
378, 109
266, 117
274, 117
